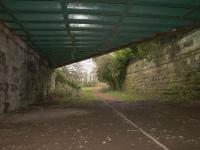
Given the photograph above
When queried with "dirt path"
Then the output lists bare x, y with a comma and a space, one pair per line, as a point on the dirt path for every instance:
175, 126
97, 127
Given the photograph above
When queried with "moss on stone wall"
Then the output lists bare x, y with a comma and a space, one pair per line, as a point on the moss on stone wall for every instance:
24, 76
167, 68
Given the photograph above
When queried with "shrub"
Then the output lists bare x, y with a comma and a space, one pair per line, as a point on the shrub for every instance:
113, 69
62, 79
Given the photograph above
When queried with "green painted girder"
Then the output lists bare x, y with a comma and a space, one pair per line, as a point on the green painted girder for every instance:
130, 21
66, 31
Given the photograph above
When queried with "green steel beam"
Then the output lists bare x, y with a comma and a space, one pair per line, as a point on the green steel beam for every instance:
65, 14
116, 28
78, 21
37, 21
65, 31
158, 3
95, 13
196, 7
9, 12
124, 28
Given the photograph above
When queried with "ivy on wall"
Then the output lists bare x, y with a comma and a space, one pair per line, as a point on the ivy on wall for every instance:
113, 69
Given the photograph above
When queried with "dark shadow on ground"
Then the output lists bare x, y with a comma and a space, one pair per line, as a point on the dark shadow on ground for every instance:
94, 126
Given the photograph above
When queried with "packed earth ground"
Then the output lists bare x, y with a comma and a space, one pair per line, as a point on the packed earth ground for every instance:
100, 121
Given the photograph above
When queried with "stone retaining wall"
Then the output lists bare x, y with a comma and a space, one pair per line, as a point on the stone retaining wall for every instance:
24, 76
175, 73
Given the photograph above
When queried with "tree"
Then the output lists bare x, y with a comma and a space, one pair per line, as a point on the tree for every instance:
112, 69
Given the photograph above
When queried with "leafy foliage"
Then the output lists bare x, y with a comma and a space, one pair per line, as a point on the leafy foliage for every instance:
113, 69
151, 49
61, 78
104, 72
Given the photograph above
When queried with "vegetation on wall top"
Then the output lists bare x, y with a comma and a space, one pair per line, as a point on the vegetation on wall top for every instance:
62, 78
112, 69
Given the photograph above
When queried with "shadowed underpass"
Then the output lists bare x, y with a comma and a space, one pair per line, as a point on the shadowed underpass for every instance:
157, 46
104, 123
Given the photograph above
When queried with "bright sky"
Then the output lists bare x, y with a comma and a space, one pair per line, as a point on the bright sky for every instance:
86, 66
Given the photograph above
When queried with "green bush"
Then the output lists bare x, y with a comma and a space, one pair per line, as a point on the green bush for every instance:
113, 69
61, 78
151, 49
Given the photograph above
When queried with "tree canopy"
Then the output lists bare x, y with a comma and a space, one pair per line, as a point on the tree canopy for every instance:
112, 69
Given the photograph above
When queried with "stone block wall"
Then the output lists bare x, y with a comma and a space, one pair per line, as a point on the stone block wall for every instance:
175, 73
24, 76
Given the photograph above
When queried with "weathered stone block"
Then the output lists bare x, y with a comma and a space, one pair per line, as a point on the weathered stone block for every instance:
23, 74
2, 58
176, 73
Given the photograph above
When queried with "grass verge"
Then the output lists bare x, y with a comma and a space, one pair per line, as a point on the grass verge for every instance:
84, 97
125, 96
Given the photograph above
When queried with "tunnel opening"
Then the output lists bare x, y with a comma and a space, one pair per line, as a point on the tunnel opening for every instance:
141, 93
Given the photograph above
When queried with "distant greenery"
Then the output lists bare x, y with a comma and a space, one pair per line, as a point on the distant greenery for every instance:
85, 97
87, 89
119, 95
113, 69
151, 49
61, 78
